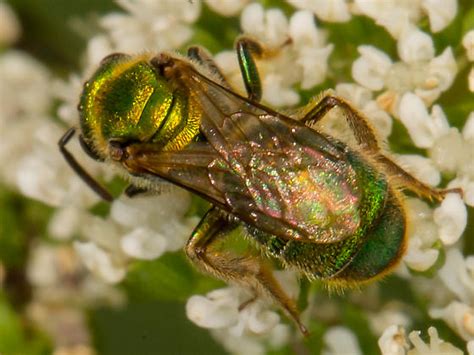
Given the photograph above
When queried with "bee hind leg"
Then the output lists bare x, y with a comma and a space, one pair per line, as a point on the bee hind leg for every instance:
247, 271
363, 132
408, 181
367, 139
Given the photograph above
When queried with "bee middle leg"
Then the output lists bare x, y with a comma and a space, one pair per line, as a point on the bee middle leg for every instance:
367, 139
246, 270
248, 49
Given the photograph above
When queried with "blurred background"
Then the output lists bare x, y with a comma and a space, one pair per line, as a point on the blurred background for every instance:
49, 300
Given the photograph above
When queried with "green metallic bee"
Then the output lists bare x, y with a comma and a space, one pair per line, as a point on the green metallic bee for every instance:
331, 211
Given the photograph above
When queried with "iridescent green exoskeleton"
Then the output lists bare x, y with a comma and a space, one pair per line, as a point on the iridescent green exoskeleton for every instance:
331, 211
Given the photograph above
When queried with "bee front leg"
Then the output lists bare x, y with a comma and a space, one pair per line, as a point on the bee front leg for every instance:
248, 271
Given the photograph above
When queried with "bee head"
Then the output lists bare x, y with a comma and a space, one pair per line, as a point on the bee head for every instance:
123, 101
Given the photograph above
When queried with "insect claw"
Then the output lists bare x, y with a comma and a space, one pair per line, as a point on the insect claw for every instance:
303, 329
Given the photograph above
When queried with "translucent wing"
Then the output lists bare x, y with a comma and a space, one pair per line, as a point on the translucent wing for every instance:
267, 169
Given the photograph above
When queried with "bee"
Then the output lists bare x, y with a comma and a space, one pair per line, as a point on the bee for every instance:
331, 210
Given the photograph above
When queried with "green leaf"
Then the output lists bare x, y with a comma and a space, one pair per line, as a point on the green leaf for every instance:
14, 338
169, 278
149, 329
356, 320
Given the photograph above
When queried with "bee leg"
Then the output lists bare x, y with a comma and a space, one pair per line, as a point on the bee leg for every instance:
78, 169
132, 190
405, 179
366, 138
359, 125
247, 270
201, 56
247, 49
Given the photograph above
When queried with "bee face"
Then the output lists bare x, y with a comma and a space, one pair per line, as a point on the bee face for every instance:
332, 212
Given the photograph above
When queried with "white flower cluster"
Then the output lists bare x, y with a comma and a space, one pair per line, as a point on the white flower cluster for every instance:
139, 228
468, 43
306, 54
61, 290
150, 25
298, 56
393, 15
242, 323
394, 342
419, 70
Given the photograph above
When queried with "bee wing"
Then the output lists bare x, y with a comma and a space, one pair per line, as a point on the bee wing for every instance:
267, 169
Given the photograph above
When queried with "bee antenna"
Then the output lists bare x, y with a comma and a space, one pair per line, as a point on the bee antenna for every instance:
79, 170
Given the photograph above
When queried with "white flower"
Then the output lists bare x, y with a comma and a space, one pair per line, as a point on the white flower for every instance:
308, 44
436, 346
463, 147
459, 316
252, 329
151, 25
270, 26
395, 16
218, 309
340, 340
370, 69
467, 185
10, 28
440, 12
66, 221
393, 341
326, 10
100, 262
468, 44
104, 234
227, 7
470, 347
419, 257
423, 128
451, 218
163, 214
457, 275
389, 315
419, 71
423, 234
241, 331
42, 266
452, 153
68, 92
415, 46
144, 243
21, 73
276, 93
